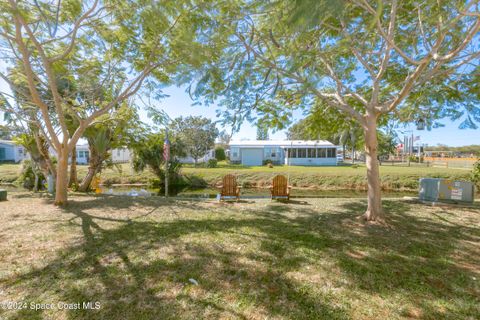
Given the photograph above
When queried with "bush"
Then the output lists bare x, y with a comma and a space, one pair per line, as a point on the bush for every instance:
267, 162
212, 163
220, 154
413, 158
476, 174
27, 176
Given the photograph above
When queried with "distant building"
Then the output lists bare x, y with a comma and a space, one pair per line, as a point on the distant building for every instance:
121, 155
288, 152
11, 152
118, 155
210, 154
83, 154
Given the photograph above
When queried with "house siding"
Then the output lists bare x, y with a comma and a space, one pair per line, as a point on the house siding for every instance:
252, 156
12, 153
8, 153
276, 152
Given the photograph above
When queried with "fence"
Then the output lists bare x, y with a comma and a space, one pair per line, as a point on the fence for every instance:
457, 163
451, 162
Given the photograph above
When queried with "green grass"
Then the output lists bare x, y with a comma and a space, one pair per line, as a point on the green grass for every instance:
310, 259
394, 178
9, 172
336, 177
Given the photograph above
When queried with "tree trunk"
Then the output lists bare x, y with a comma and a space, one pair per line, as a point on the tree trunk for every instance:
374, 211
94, 163
85, 185
35, 184
73, 168
61, 195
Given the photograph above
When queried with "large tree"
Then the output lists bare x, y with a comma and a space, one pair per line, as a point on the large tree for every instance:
198, 135
368, 60
107, 44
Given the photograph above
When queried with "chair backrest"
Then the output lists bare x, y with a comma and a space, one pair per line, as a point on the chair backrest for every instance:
280, 185
229, 185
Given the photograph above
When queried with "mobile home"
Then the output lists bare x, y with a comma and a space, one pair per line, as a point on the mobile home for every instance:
287, 152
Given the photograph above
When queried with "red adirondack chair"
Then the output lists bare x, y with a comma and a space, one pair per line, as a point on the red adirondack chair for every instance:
229, 188
280, 188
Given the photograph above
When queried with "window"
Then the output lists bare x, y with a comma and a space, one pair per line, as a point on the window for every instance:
83, 154
268, 152
235, 152
331, 153
292, 153
118, 152
321, 153
311, 153
2, 153
274, 152
302, 153
20, 151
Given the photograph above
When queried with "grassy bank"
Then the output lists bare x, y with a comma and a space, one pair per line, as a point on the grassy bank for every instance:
343, 177
153, 259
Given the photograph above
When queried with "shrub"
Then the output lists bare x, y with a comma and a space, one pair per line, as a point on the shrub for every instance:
220, 154
267, 162
414, 158
476, 174
27, 176
212, 163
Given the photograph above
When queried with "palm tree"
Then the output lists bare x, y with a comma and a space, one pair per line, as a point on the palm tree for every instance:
99, 143
38, 154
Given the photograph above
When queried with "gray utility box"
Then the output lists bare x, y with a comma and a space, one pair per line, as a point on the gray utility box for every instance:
433, 189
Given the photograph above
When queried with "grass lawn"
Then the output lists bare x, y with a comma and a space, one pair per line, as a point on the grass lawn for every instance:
9, 172
394, 178
309, 259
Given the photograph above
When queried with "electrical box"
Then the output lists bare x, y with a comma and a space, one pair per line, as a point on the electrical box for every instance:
434, 189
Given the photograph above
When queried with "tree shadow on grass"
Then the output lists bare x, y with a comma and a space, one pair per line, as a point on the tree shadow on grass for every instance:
141, 269
424, 260
245, 262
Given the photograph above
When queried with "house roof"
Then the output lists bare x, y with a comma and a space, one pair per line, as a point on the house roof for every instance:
9, 142
281, 143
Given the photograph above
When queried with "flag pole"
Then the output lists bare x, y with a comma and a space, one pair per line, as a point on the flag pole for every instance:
166, 155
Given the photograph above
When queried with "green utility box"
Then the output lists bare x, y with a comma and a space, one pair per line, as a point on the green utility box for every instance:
3, 195
434, 189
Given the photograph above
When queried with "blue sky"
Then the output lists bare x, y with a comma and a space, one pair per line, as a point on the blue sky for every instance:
179, 104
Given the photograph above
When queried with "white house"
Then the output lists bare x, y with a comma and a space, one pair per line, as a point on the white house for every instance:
11, 152
288, 152
210, 154
121, 155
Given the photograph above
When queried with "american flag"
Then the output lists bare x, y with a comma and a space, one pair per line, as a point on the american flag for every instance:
166, 148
